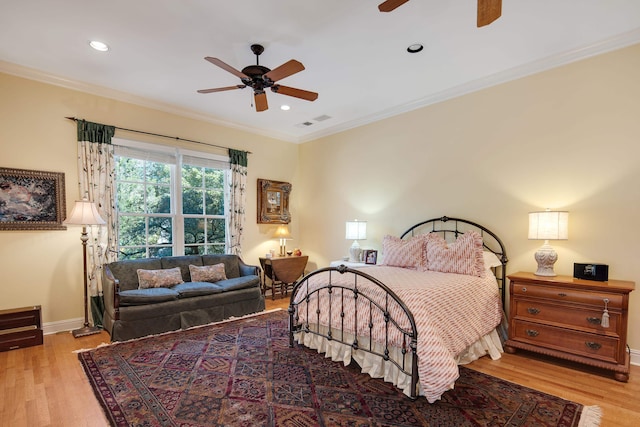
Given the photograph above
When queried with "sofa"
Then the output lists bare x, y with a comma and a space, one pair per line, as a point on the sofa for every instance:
155, 295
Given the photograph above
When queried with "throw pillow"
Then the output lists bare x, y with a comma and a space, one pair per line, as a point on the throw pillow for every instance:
464, 256
409, 253
207, 273
159, 278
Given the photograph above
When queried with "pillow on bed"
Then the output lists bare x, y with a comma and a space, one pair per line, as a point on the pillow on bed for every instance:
464, 256
409, 253
207, 273
490, 260
164, 278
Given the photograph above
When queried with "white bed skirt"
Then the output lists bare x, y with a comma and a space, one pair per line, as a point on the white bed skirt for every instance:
377, 367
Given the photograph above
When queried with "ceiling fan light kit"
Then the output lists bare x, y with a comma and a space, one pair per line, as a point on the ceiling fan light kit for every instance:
260, 78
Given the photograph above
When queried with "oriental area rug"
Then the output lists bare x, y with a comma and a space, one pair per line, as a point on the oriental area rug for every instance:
243, 373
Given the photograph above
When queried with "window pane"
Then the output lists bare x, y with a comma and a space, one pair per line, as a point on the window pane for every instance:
158, 199
158, 172
215, 231
130, 198
214, 178
160, 231
192, 201
156, 252
191, 176
193, 230
130, 169
214, 202
132, 253
215, 249
131, 230
194, 250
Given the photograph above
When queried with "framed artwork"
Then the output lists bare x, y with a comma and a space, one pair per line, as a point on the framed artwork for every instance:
273, 202
370, 256
31, 200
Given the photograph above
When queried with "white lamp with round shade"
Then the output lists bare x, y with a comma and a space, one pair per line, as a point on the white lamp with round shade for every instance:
355, 230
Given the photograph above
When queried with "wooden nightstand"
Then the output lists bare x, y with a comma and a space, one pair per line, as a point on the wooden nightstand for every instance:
562, 317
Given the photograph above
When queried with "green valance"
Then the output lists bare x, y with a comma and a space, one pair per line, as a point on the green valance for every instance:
95, 132
238, 157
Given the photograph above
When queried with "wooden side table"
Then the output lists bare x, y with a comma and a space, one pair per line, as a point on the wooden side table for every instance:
280, 273
565, 317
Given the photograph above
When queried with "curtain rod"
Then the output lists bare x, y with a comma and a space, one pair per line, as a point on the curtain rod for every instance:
75, 119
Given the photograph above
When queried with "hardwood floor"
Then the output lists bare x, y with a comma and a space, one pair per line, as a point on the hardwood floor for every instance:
45, 385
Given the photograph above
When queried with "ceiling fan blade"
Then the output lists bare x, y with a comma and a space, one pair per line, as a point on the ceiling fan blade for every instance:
296, 93
261, 101
226, 67
390, 5
222, 89
285, 70
488, 11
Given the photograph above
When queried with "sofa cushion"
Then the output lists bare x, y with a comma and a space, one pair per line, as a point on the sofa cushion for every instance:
163, 278
147, 296
231, 267
238, 283
183, 262
207, 273
196, 289
126, 271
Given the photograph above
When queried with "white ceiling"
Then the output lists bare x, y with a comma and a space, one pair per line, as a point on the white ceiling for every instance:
355, 56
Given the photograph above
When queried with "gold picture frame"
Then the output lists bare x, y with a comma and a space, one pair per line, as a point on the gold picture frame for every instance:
273, 202
32, 200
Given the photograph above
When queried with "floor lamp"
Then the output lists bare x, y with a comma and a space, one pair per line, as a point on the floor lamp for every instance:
84, 213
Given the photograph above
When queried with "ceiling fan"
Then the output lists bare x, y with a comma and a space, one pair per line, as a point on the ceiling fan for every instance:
488, 10
260, 78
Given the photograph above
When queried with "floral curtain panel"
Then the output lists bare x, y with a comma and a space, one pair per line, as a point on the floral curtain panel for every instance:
96, 176
237, 201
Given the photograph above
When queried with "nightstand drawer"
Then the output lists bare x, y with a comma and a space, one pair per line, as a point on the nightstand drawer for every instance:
579, 343
585, 319
568, 295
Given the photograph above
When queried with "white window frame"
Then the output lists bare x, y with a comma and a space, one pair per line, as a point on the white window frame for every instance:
174, 156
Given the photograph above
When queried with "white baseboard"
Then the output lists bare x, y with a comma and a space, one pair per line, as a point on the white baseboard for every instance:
635, 357
62, 326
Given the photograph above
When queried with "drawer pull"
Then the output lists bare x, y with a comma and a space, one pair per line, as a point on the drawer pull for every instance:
593, 345
594, 320
532, 332
533, 310
524, 289
562, 294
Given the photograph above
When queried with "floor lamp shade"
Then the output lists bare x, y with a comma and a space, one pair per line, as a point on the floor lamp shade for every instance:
548, 225
355, 230
85, 213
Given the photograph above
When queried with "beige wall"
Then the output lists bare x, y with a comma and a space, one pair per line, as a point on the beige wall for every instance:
45, 267
564, 139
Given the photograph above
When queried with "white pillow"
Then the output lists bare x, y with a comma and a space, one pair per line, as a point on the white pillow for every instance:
490, 260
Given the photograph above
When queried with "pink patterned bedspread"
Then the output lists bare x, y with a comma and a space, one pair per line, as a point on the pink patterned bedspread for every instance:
451, 312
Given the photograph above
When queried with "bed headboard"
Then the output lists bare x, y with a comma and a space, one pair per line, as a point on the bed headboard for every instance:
451, 228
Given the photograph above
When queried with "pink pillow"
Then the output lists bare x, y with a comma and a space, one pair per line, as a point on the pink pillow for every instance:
464, 256
207, 273
159, 278
409, 253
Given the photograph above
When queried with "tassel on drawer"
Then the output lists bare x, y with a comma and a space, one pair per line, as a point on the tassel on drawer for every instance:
605, 314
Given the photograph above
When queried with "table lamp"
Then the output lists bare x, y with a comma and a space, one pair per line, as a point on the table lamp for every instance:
355, 230
547, 225
282, 233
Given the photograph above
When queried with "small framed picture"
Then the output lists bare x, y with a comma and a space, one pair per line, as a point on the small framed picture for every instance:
370, 256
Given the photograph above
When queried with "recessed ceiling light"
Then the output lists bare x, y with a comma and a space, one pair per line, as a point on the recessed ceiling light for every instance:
415, 48
102, 47
285, 107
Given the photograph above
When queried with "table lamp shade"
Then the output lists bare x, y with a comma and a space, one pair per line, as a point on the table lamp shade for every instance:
356, 230
84, 213
282, 233
549, 225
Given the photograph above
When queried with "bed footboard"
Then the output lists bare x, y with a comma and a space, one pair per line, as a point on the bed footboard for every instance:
359, 303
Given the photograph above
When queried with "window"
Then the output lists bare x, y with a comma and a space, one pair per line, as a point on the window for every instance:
169, 201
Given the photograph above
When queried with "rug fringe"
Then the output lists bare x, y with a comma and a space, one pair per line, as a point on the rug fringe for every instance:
591, 416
